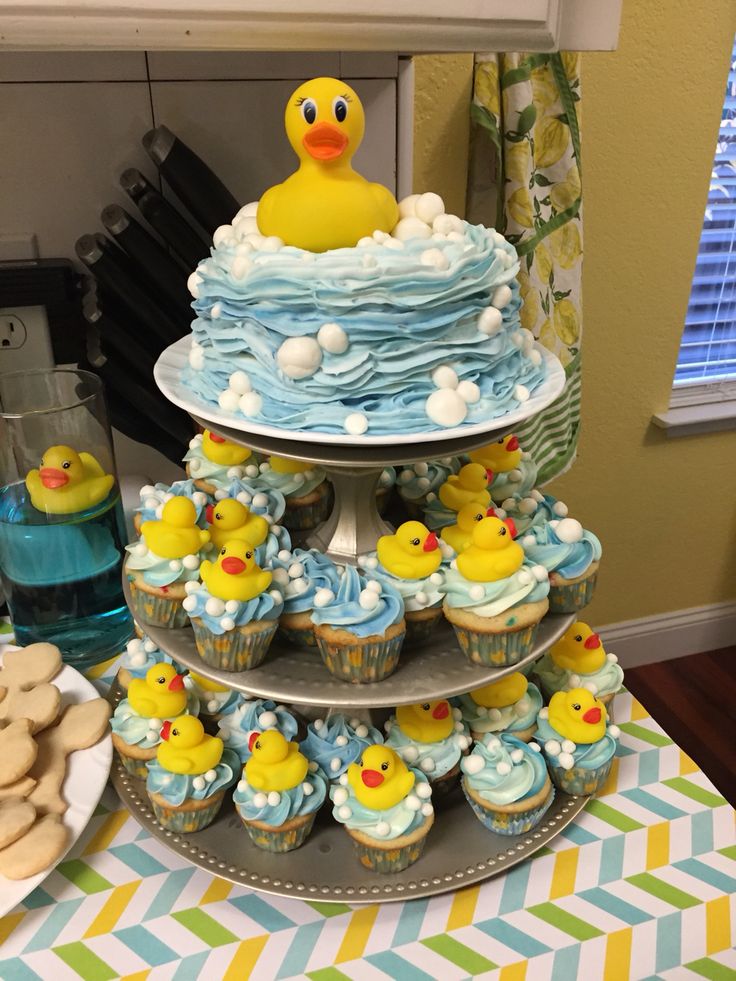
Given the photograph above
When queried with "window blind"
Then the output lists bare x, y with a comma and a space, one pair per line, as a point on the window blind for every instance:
708, 347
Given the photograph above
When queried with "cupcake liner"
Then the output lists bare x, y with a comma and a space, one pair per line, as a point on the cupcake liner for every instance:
573, 596
183, 820
136, 768
236, 650
496, 650
443, 786
580, 781
361, 663
388, 860
502, 823
284, 839
157, 609
304, 517
420, 630
299, 637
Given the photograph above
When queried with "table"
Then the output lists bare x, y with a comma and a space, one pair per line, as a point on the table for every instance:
641, 885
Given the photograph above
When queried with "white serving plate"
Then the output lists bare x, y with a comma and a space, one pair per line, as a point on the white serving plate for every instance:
167, 373
86, 775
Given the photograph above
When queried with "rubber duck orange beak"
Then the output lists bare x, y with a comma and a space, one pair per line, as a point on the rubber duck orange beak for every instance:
372, 778
232, 565
430, 542
441, 711
217, 439
489, 475
165, 730
323, 141
490, 513
593, 715
52, 478
209, 513
592, 643
176, 683
513, 444
509, 522
252, 738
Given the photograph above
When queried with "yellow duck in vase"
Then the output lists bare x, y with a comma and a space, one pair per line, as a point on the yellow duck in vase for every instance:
493, 554
67, 482
176, 534
229, 520
235, 575
325, 204
380, 778
160, 695
275, 764
186, 748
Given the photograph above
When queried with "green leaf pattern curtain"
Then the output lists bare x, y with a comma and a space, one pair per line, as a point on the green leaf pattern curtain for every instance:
525, 178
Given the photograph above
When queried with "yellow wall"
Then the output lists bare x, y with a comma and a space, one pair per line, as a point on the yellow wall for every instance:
664, 509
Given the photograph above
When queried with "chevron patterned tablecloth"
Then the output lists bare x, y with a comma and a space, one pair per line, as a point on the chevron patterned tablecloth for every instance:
641, 885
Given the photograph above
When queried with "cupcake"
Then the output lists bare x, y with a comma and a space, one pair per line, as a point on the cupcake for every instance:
416, 480
277, 798
578, 660
305, 487
409, 561
212, 462
137, 720
154, 496
237, 725
430, 737
506, 783
510, 705
332, 744
234, 614
469, 485
386, 483
305, 577
531, 511
493, 598
141, 653
361, 629
187, 780
214, 699
571, 555
385, 808
514, 472
577, 742
166, 558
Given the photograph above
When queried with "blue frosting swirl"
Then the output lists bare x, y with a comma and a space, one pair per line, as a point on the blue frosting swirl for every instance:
219, 475
401, 819
512, 718
416, 480
428, 590
155, 496
235, 613
291, 484
317, 572
588, 756
239, 722
567, 559
334, 743
346, 612
531, 511
253, 804
258, 497
436, 758
512, 771
156, 570
519, 481
175, 788
489, 599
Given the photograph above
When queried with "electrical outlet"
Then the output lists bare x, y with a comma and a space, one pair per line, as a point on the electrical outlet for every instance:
13, 333
24, 339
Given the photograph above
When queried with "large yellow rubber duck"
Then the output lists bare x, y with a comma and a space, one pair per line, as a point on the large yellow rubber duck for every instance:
501, 693
325, 204
579, 650
229, 520
578, 715
427, 722
460, 535
67, 482
282, 464
235, 575
217, 449
186, 748
411, 552
380, 779
275, 764
498, 457
176, 534
160, 695
493, 554
469, 485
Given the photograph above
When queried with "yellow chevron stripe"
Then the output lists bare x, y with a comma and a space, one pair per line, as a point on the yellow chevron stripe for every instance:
514, 972
637, 711
611, 784
658, 845
717, 925
138, 976
245, 959
357, 934
8, 924
687, 765
463, 908
565, 871
107, 831
618, 956
216, 891
99, 669
113, 909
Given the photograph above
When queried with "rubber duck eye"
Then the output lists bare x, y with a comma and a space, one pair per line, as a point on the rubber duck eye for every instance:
479, 516
174, 732
66, 464
160, 681
415, 541
340, 108
502, 532
578, 637
425, 707
258, 744
384, 766
248, 555
218, 516
309, 111
576, 706
500, 441
223, 550
360, 762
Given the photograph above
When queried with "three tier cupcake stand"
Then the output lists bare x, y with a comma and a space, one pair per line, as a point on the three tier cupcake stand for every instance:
460, 851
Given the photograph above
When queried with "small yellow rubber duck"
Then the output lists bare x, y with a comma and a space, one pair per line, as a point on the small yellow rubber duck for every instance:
325, 204
67, 482
176, 534
229, 520
493, 554
412, 552
217, 449
281, 464
579, 650
206, 684
578, 715
235, 575
186, 748
275, 764
501, 693
427, 722
499, 457
460, 535
469, 485
380, 778
160, 695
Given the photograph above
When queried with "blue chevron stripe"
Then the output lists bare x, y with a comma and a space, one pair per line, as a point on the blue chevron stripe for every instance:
149, 948
649, 767
138, 860
192, 967
303, 943
702, 832
565, 964
266, 916
16, 970
168, 894
714, 877
410, 922
616, 907
515, 884
507, 934
46, 934
611, 867
397, 967
38, 898
578, 835
653, 804
668, 942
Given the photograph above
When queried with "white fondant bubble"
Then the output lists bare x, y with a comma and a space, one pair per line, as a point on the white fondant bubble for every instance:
429, 206
332, 338
409, 228
228, 402
445, 377
490, 321
239, 382
355, 424
501, 297
299, 357
446, 408
569, 530
469, 392
250, 404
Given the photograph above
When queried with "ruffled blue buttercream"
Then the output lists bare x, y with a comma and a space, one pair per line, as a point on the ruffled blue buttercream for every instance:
239, 722
492, 598
141, 654
346, 612
318, 572
443, 754
153, 497
401, 819
136, 730
265, 606
335, 744
416, 480
291, 803
567, 559
522, 775
178, 787
517, 481
291, 484
509, 718
589, 756
156, 570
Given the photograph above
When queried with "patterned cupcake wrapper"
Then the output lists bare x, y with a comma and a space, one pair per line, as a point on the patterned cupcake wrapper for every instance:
233, 650
388, 860
509, 824
361, 664
175, 819
496, 650
159, 611
136, 768
277, 840
443, 786
573, 597
298, 636
304, 517
419, 631
580, 781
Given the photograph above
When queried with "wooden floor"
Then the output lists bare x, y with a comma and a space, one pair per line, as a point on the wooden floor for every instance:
694, 700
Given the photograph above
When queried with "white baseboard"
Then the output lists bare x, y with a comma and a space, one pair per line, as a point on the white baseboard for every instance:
669, 635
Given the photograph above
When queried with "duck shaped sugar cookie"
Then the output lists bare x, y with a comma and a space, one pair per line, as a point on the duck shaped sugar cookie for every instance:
460, 535
229, 520
325, 204
514, 472
67, 482
578, 660
469, 485
492, 554
431, 737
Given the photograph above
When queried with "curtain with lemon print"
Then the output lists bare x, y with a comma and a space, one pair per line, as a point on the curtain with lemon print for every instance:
525, 180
